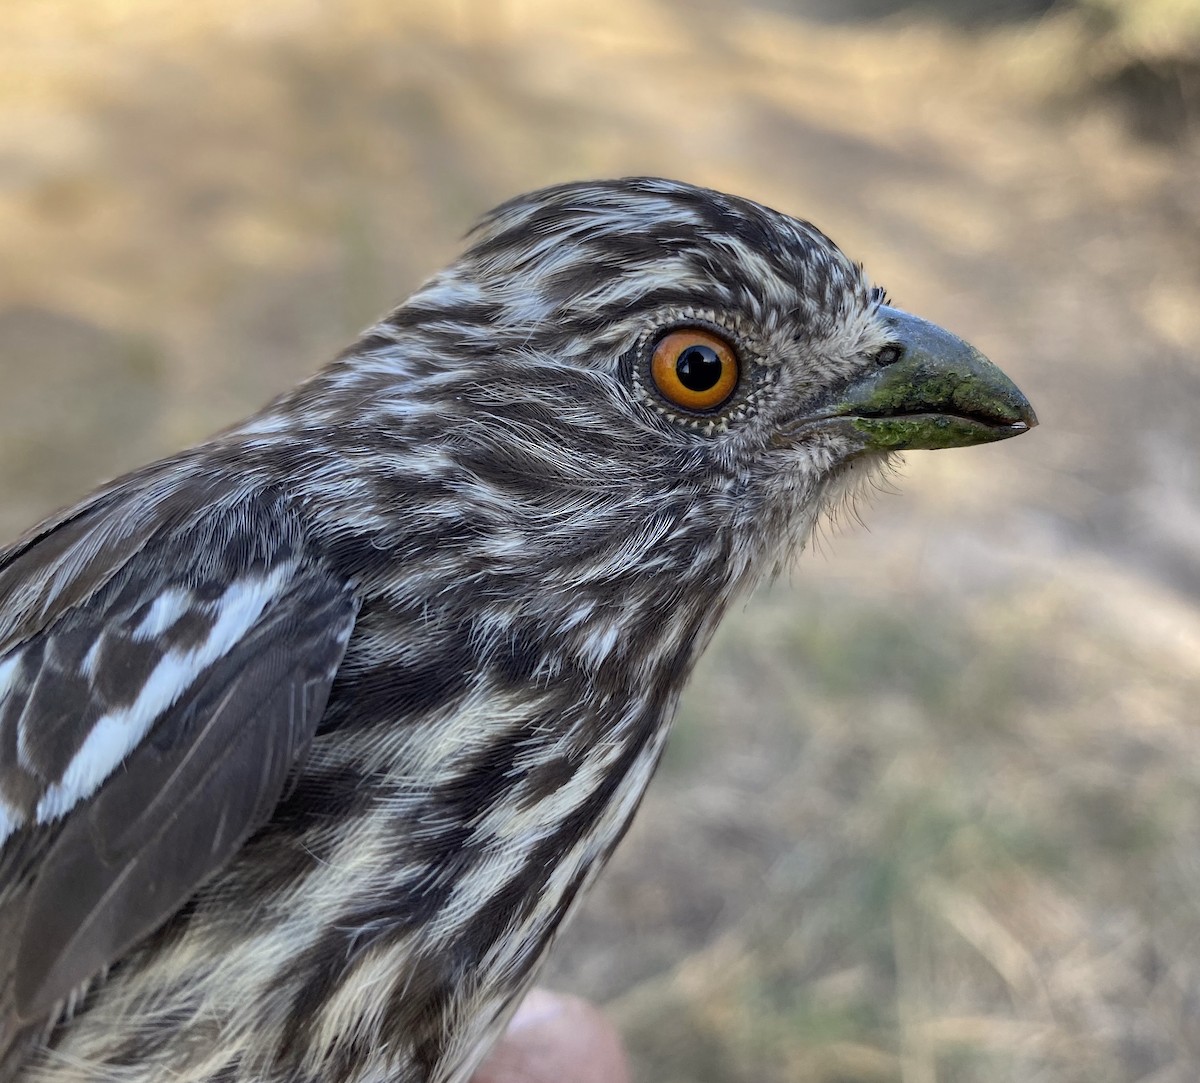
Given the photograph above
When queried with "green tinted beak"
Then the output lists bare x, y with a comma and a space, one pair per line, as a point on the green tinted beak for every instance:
931, 390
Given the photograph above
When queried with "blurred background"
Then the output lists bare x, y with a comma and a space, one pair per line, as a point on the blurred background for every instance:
931, 811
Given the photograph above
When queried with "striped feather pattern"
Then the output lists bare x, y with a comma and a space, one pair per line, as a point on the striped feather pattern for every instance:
328, 723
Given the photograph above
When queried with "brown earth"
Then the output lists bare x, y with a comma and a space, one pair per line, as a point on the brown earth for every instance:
932, 808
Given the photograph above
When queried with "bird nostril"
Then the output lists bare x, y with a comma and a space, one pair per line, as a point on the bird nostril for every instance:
889, 355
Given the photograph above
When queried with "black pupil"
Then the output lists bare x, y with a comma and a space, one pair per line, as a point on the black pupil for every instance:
698, 368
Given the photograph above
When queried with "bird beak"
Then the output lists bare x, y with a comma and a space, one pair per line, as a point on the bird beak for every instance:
938, 392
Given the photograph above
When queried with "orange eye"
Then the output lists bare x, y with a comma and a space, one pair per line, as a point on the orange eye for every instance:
694, 369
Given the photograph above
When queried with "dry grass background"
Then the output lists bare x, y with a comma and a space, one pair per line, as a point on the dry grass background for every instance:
932, 809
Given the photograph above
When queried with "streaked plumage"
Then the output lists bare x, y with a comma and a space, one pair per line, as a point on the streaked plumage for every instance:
312, 735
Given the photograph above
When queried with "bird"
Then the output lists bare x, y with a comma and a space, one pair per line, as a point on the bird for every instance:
314, 734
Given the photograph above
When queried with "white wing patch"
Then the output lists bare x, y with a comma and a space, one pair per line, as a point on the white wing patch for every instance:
8, 673
165, 610
10, 816
117, 733
10, 819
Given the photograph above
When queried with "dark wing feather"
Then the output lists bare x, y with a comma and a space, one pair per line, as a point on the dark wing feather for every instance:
61, 562
247, 635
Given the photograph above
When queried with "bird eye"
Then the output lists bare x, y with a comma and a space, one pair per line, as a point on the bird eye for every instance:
694, 369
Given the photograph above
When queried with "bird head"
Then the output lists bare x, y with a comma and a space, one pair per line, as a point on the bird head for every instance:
629, 395
451, 588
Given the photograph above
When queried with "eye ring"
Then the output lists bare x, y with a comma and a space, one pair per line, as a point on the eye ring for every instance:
694, 369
